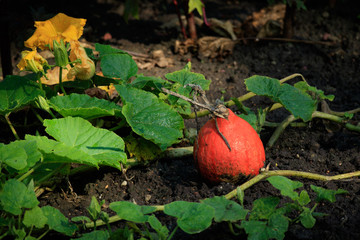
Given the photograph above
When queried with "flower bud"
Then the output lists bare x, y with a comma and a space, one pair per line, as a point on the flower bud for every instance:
42, 103
60, 53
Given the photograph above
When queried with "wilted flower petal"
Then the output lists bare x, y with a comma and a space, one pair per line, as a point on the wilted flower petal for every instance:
52, 76
84, 70
32, 61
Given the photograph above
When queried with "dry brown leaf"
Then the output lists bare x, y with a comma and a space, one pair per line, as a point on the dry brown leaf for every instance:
254, 23
215, 46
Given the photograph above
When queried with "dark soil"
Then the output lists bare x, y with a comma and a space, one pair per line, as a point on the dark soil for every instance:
315, 148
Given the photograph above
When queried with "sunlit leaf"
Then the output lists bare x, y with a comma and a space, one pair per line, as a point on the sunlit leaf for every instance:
82, 105
196, 4
149, 117
100, 144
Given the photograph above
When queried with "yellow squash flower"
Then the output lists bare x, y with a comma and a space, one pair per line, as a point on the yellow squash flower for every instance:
52, 76
59, 27
32, 61
86, 68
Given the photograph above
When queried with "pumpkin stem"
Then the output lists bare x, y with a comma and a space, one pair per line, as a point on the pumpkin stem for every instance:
222, 136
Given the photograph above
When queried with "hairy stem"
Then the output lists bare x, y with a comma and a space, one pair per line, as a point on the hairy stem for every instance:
279, 130
253, 181
337, 119
11, 126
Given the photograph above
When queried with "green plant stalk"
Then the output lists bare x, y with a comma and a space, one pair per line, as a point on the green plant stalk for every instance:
37, 115
60, 81
340, 114
262, 176
11, 126
244, 98
274, 137
291, 173
337, 119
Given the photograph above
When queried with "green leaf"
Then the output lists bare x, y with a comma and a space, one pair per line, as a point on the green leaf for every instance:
142, 149
34, 217
103, 145
304, 198
82, 219
148, 82
191, 217
131, 212
304, 87
15, 196
149, 117
131, 9
94, 209
184, 77
20, 155
196, 4
286, 186
294, 100
327, 194
58, 152
256, 230
95, 235
226, 210
263, 208
58, 222
307, 219
13, 156
275, 228
84, 106
161, 230
107, 49
118, 66
16, 92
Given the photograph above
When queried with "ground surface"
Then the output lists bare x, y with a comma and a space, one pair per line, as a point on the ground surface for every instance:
334, 69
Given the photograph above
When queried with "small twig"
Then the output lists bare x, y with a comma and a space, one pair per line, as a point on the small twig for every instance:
289, 40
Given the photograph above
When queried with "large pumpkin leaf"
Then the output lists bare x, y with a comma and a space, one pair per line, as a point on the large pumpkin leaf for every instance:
149, 117
103, 145
299, 103
81, 105
16, 92
58, 152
